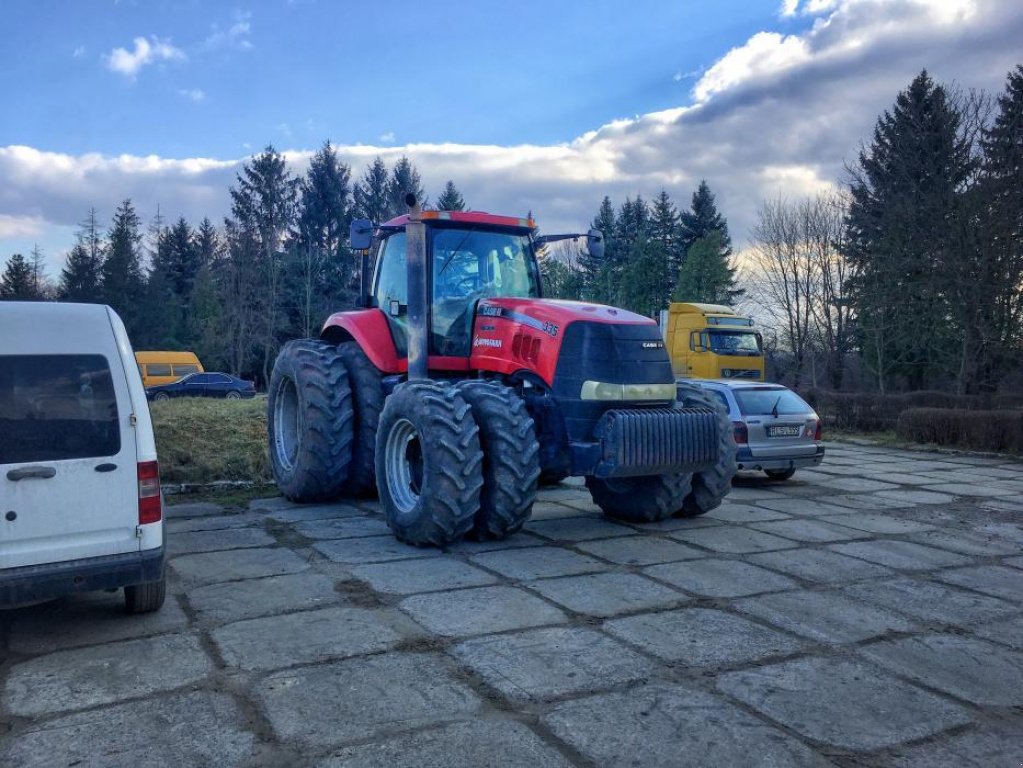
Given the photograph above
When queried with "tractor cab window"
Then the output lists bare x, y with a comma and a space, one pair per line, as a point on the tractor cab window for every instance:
472, 264
392, 288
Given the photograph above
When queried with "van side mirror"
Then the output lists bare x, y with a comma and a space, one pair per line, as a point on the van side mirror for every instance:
361, 234
595, 243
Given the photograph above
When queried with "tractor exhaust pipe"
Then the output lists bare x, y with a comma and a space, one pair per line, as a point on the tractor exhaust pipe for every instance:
418, 301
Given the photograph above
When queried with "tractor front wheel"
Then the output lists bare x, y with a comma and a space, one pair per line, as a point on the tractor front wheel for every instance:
510, 458
640, 499
309, 421
429, 465
711, 485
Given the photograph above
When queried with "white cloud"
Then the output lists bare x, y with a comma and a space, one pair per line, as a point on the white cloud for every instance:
192, 94
789, 7
146, 51
778, 116
20, 226
387, 138
78, 52
235, 37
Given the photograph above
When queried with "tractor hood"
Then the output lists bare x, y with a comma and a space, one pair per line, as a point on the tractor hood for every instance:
551, 316
566, 340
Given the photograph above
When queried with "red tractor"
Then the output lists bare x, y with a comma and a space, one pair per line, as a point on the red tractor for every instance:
457, 388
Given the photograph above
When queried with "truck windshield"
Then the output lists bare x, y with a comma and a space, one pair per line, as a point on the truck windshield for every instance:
735, 343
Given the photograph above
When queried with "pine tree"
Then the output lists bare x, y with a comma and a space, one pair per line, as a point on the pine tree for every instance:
903, 217
701, 219
1001, 190
632, 223
596, 277
450, 199
80, 279
664, 231
207, 242
122, 284
705, 276
370, 194
404, 179
264, 204
641, 287
18, 282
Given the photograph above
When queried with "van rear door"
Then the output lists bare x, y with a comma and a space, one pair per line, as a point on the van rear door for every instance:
68, 465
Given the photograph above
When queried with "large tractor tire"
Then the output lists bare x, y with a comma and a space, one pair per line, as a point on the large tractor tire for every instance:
711, 485
309, 421
511, 462
429, 465
368, 398
640, 499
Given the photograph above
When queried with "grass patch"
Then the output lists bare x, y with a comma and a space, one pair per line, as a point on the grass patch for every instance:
203, 440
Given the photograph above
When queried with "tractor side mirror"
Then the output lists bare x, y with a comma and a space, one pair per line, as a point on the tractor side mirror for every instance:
595, 243
361, 234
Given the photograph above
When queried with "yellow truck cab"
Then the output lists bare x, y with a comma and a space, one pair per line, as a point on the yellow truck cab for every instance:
710, 341
165, 367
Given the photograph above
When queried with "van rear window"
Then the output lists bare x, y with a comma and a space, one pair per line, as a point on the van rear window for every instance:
55, 407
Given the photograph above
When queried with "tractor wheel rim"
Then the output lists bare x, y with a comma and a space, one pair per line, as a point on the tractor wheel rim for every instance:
286, 423
403, 462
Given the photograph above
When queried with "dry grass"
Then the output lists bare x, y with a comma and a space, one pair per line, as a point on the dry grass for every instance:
204, 440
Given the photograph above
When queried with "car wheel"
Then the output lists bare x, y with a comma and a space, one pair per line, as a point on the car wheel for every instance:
233, 395
161, 396
780, 474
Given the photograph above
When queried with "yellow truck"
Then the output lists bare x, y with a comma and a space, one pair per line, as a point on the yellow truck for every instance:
710, 341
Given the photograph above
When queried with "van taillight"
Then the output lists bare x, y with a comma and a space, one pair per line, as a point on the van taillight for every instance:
150, 509
819, 431
741, 433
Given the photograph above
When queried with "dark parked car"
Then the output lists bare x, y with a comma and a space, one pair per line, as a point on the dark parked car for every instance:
204, 385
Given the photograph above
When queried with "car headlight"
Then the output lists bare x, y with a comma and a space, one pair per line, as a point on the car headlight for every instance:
599, 390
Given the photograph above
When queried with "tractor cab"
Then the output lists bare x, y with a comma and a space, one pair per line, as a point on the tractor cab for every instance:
469, 256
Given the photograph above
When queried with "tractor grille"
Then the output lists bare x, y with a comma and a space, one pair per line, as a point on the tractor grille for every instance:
654, 441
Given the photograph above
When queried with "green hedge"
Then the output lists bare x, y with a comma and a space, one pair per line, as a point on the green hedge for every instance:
871, 412
977, 430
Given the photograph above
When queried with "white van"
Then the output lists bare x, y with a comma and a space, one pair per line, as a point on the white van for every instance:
80, 505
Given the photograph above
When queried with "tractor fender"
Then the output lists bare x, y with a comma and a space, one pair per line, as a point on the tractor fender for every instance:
369, 329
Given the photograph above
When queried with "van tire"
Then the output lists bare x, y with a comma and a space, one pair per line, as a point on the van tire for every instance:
145, 598
711, 485
368, 398
780, 475
311, 448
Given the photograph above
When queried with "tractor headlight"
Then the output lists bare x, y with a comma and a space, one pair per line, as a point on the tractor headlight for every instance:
599, 390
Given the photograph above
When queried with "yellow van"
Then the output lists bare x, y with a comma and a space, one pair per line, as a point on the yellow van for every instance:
165, 367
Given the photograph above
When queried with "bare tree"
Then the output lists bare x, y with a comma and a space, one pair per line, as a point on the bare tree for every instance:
787, 277
824, 220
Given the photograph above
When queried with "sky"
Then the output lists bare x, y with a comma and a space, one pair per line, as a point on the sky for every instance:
531, 106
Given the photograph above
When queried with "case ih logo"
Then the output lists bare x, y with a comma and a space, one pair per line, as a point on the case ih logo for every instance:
653, 344
495, 343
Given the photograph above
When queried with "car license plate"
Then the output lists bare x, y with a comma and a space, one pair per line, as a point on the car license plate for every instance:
785, 431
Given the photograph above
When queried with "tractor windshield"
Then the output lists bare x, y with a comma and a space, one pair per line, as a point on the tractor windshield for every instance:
471, 264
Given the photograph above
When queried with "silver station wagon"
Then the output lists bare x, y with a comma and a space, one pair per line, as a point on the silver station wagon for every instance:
776, 431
